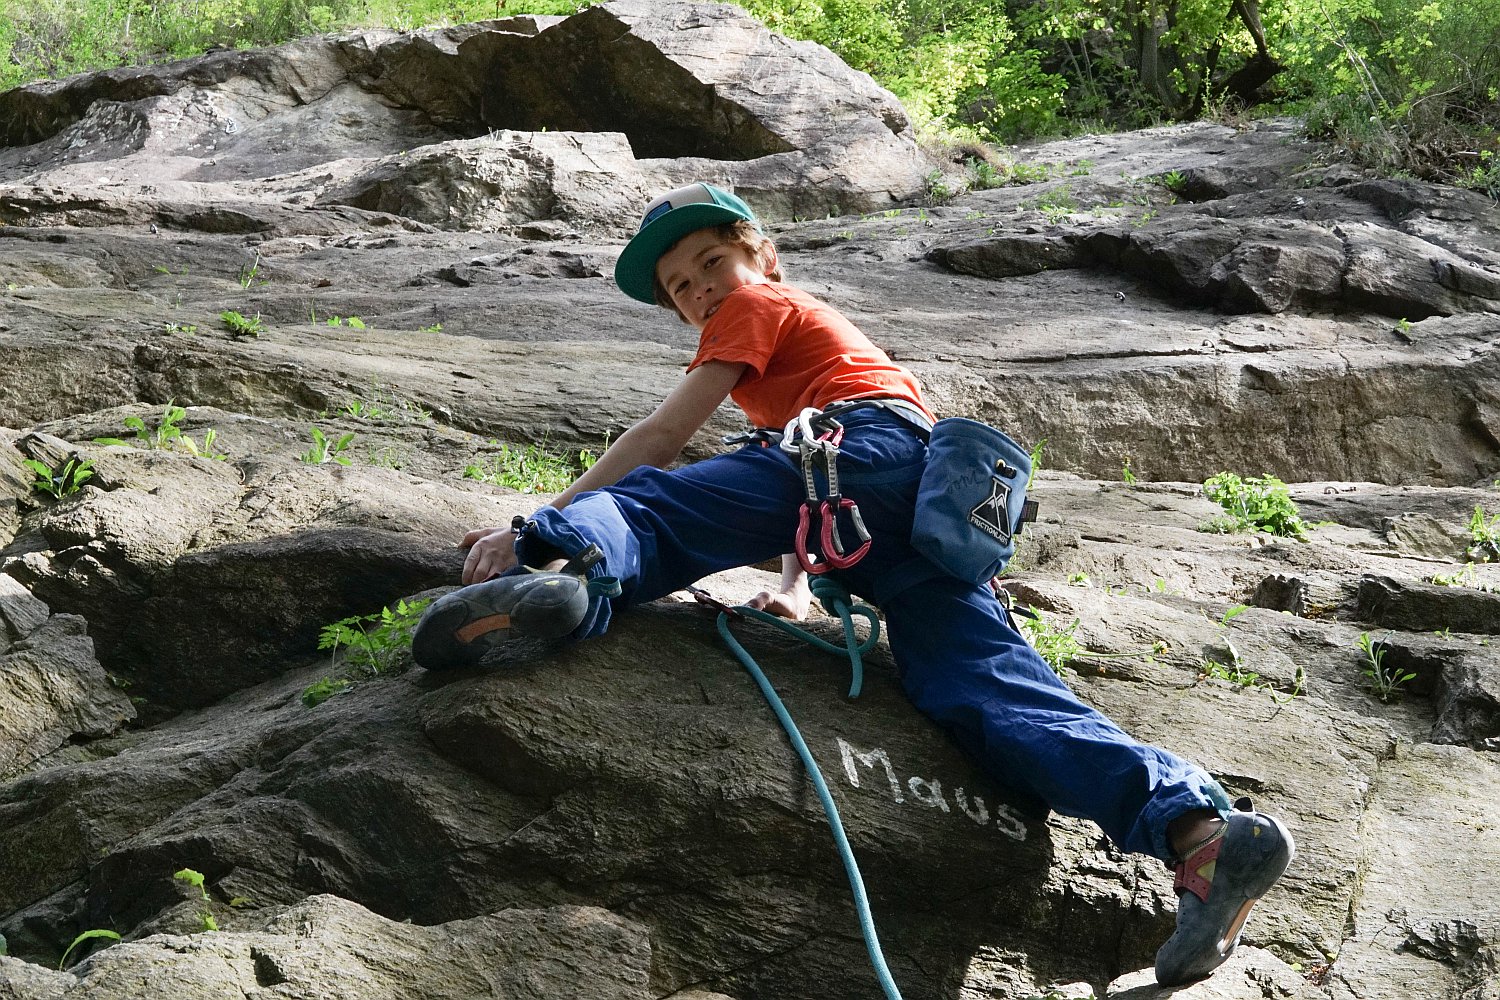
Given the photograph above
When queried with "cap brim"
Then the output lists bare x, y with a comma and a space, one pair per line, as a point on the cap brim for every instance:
635, 271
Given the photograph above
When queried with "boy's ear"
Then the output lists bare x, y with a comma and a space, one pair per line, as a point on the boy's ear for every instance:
768, 258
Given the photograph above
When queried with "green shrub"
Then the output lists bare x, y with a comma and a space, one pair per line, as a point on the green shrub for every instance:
1404, 85
239, 326
1484, 537
1056, 644
1258, 503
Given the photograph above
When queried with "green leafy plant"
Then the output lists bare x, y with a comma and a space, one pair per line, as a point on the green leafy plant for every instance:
97, 932
1233, 613
1484, 176
324, 688
1172, 180
209, 449
65, 480
985, 174
1029, 173
1056, 644
324, 450
938, 189
185, 328
389, 457
434, 328
374, 645
353, 321
532, 468
167, 435
247, 273
1484, 535
1233, 671
1057, 204
1467, 576
1384, 682
1258, 503
239, 326
195, 879
1126, 474
192, 878
1036, 461
378, 403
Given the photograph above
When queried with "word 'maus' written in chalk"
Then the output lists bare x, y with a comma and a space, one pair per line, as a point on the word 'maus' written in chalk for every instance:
929, 792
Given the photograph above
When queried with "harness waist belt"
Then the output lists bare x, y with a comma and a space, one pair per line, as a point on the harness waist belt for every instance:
903, 408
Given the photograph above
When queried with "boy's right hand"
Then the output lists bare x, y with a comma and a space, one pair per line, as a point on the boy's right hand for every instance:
492, 551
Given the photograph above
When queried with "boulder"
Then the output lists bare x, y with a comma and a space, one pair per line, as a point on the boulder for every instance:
52, 688
331, 948
512, 122
1420, 607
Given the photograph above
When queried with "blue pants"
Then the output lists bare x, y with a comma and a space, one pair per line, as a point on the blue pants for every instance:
960, 660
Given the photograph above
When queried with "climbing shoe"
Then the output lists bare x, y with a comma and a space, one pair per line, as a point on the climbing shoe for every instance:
460, 628
1217, 883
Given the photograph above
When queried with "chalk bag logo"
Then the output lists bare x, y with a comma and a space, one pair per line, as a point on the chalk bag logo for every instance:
990, 516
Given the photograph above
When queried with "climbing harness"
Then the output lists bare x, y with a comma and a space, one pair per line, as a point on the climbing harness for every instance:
836, 600
814, 436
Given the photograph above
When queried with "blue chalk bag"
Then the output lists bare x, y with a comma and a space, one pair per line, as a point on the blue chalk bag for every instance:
971, 502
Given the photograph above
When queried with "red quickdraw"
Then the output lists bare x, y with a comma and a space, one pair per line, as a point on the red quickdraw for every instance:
816, 439
833, 546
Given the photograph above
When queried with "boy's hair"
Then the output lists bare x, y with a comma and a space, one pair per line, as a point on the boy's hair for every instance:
740, 234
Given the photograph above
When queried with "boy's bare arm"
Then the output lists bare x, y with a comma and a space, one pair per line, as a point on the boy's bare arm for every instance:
659, 438
656, 440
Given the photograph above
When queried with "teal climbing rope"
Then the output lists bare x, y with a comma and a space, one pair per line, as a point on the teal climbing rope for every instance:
836, 599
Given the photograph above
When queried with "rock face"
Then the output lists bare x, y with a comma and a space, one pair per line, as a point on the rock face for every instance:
509, 123
424, 225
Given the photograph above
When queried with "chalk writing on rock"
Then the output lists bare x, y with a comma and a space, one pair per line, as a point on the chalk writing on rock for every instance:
928, 792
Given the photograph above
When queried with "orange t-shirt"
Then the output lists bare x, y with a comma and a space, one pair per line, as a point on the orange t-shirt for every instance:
800, 352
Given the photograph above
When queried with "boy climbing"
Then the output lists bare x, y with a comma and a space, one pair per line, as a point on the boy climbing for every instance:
629, 531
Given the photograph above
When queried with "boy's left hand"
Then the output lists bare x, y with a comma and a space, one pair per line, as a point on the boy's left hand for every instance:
492, 551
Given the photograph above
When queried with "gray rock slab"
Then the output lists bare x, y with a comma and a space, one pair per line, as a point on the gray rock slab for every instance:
1422, 925
1250, 974
327, 947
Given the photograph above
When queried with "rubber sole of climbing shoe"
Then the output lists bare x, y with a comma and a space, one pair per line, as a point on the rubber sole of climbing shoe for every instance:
460, 628
1235, 869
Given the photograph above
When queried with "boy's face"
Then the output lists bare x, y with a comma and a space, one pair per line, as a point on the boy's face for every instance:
701, 268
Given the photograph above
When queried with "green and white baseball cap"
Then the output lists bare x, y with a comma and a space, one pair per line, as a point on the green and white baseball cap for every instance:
666, 220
